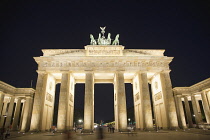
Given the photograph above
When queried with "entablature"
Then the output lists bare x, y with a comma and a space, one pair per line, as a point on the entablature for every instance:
198, 87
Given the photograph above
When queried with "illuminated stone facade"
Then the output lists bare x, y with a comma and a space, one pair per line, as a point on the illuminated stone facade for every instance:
198, 95
104, 64
15, 107
146, 69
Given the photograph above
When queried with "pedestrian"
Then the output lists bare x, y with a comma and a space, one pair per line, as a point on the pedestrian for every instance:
112, 129
7, 133
2, 133
109, 129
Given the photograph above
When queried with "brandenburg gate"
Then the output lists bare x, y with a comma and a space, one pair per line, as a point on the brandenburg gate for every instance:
104, 61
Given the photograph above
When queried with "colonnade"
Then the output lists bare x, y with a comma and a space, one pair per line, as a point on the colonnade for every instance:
164, 106
191, 102
15, 107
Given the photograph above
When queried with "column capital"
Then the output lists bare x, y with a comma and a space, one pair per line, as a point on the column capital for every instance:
17, 98
1, 92
41, 72
65, 71
89, 71
29, 97
142, 71
119, 71
165, 71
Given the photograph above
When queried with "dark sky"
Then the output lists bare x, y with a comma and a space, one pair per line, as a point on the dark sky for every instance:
180, 27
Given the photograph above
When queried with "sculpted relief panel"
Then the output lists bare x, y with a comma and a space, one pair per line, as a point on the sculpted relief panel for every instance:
137, 97
104, 52
49, 97
158, 96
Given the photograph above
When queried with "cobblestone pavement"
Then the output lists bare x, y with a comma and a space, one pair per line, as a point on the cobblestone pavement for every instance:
193, 134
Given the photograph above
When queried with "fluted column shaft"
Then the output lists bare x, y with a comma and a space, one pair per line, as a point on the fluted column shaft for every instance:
121, 100
25, 114
188, 112
16, 115
89, 102
3, 113
38, 101
169, 103
195, 110
63, 102
145, 101
205, 106
9, 113
181, 111
1, 102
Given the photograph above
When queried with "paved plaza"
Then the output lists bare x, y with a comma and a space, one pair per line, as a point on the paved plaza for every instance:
192, 134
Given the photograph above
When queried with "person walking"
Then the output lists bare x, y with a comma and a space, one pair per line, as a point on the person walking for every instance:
7, 133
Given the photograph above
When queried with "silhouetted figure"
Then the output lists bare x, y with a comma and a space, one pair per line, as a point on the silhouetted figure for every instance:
112, 129
7, 133
100, 133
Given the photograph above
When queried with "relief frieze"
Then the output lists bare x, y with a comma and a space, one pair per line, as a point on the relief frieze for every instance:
104, 64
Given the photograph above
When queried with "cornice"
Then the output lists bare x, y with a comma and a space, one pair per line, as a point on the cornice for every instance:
10, 90
198, 87
6, 88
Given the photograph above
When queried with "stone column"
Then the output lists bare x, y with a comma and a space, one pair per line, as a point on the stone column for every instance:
121, 100
29, 113
199, 110
195, 110
71, 104
16, 114
23, 101
145, 101
181, 112
89, 102
63, 102
25, 114
208, 97
178, 110
205, 106
1, 102
38, 101
188, 112
9, 113
169, 99
3, 113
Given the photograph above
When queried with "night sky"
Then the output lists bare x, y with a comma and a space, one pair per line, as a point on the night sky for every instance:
182, 28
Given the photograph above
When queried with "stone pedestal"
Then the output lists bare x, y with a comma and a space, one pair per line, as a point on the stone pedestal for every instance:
89, 102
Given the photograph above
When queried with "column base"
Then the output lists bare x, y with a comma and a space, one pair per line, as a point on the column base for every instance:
174, 128
123, 130
87, 131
